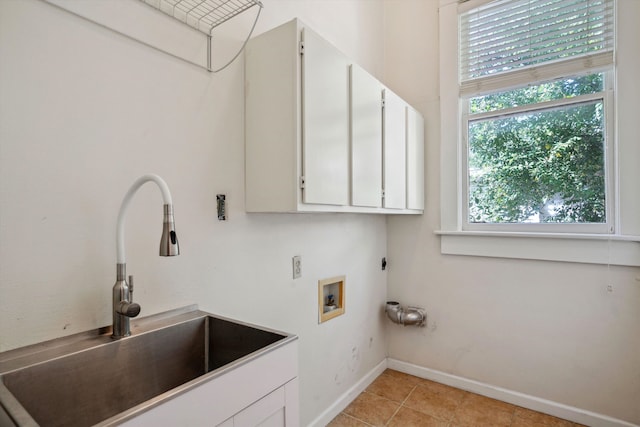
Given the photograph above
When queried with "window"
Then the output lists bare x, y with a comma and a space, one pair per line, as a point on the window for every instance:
538, 153
533, 159
536, 144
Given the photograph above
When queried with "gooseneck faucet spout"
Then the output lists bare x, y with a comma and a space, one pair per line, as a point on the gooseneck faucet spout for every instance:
123, 306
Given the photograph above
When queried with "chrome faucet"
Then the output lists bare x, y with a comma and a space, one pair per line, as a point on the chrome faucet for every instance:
123, 306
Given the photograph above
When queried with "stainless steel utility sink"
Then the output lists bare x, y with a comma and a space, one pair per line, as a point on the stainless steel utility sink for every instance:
89, 378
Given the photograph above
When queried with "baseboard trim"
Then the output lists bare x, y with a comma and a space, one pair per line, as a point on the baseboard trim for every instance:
349, 396
531, 402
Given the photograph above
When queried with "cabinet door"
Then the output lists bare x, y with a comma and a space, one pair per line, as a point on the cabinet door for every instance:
227, 423
366, 139
277, 409
325, 122
394, 149
266, 412
415, 160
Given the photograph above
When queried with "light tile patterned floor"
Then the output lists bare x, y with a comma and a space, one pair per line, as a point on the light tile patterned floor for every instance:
400, 400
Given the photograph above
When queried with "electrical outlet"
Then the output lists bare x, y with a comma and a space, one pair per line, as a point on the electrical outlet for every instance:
297, 266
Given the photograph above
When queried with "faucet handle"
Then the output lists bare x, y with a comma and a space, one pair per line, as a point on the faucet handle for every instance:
131, 283
129, 309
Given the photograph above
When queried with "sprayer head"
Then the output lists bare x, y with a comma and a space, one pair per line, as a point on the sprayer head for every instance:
169, 241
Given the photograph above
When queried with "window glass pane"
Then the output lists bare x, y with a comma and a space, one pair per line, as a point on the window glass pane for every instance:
560, 89
546, 166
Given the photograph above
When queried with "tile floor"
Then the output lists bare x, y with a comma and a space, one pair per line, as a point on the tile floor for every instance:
400, 400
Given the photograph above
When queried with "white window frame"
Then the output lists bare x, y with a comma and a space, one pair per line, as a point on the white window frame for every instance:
617, 243
602, 228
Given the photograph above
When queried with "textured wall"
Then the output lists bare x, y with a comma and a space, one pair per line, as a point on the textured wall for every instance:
85, 111
547, 329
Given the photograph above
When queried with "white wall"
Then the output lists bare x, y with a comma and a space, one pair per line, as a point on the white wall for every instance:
550, 330
84, 112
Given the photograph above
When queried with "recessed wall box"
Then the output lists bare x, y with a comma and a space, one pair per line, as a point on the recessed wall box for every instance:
331, 302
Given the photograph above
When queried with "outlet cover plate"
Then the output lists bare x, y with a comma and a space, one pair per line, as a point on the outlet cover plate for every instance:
297, 266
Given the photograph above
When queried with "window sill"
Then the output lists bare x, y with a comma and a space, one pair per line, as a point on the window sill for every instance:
581, 248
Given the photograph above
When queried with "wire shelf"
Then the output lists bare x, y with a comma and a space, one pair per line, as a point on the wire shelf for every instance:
203, 15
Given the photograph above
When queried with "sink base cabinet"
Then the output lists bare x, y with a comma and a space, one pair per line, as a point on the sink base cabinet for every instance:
277, 409
261, 392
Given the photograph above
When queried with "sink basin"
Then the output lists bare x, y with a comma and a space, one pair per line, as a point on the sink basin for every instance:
88, 378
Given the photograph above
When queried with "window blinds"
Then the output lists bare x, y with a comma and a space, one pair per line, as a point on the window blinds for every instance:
533, 39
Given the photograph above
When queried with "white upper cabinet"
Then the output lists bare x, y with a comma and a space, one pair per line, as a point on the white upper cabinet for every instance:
314, 139
366, 139
325, 118
415, 160
273, 134
395, 151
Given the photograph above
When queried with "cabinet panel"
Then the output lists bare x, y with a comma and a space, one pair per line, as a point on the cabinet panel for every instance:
275, 420
415, 160
292, 405
394, 149
268, 411
272, 119
366, 139
325, 125
227, 423
277, 409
